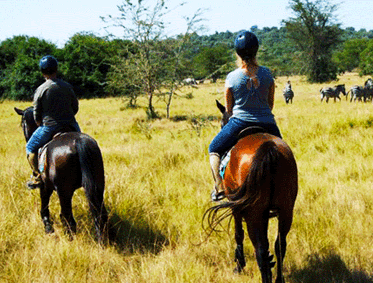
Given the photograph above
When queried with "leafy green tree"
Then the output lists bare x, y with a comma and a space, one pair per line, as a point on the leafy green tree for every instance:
20, 74
366, 59
213, 62
315, 34
86, 63
349, 57
277, 52
119, 79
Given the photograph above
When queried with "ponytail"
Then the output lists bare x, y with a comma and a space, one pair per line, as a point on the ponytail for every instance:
246, 64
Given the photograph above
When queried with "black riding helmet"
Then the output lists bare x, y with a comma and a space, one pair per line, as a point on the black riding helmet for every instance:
246, 44
48, 65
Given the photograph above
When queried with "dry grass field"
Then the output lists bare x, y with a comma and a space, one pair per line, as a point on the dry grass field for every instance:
158, 184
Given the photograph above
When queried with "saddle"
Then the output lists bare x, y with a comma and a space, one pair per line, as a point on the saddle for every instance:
42, 153
244, 133
250, 131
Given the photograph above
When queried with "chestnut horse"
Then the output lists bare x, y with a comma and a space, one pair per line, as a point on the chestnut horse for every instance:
260, 182
73, 160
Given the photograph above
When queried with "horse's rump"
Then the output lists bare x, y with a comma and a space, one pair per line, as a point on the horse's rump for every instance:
252, 171
83, 155
261, 176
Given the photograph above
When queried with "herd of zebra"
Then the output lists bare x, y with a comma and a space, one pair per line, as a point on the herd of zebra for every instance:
358, 93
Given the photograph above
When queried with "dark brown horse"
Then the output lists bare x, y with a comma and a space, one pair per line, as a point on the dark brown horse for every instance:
260, 182
73, 160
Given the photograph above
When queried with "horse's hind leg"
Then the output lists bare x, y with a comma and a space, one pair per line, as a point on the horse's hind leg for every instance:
284, 224
257, 230
239, 236
66, 215
45, 194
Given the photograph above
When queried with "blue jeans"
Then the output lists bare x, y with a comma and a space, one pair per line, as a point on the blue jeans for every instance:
227, 137
42, 135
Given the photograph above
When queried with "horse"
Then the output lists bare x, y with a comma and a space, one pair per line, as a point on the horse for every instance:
260, 182
72, 160
332, 92
288, 93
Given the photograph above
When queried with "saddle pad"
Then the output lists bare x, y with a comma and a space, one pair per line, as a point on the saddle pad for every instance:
42, 158
224, 162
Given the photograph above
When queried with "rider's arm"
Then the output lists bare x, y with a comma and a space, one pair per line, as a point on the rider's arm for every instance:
229, 101
74, 103
37, 107
271, 95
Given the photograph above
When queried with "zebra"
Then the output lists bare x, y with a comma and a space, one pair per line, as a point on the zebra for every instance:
357, 93
288, 93
368, 87
333, 92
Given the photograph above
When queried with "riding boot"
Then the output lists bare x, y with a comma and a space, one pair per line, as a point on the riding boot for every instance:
217, 193
36, 181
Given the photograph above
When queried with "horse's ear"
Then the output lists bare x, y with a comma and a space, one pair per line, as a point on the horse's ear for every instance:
19, 111
220, 106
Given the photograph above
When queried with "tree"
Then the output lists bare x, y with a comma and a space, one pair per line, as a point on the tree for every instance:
175, 61
86, 60
19, 73
143, 25
276, 52
148, 67
213, 62
349, 57
366, 59
315, 33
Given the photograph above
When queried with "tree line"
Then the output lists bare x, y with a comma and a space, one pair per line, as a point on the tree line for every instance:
148, 62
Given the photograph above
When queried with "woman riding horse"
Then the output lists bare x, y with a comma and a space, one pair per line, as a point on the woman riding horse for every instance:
55, 106
249, 99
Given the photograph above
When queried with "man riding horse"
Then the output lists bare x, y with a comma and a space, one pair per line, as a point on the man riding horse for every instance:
55, 106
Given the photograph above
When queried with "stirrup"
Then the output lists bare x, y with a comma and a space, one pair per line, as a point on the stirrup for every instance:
217, 196
32, 184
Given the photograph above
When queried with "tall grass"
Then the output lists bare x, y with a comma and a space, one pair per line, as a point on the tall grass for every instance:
158, 184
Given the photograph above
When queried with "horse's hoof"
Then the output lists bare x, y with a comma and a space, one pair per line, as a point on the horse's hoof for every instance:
237, 270
48, 226
49, 229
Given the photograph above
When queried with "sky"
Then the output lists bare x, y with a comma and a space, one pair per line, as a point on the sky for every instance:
57, 21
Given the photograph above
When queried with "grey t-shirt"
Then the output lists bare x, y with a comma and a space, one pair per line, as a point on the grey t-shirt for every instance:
55, 103
250, 103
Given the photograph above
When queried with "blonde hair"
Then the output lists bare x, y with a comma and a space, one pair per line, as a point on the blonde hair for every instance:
245, 64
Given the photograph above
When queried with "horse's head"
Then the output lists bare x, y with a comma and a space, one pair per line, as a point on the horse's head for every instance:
28, 123
226, 116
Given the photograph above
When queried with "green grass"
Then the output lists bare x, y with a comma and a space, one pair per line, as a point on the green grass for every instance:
158, 183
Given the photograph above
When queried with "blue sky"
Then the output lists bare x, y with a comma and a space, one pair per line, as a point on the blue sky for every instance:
57, 21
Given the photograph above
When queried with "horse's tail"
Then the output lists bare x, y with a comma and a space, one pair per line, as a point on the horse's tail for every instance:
93, 179
259, 179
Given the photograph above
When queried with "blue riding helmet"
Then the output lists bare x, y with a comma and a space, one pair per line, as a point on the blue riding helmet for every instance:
48, 61
246, 44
